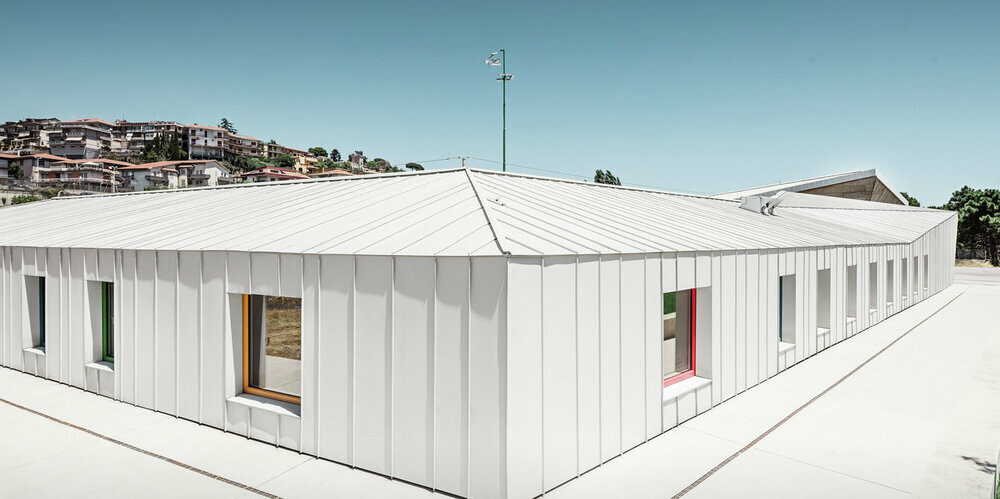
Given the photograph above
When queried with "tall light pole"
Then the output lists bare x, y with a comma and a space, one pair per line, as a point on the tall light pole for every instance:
498, 58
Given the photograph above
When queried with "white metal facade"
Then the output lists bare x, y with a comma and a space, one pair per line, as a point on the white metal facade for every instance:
486, 335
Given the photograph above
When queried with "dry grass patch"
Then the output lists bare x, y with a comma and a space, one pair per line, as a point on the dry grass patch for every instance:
972, 263
284, 327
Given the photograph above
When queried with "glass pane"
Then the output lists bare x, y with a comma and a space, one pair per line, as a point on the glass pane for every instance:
276, 363
676, 332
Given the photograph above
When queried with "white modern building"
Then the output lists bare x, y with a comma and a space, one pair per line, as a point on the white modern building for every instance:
483, 334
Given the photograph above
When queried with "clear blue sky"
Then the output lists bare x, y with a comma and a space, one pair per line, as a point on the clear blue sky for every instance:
695, 96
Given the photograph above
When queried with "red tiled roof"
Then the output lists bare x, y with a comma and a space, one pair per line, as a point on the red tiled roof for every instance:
95, 160
332, 173
46, 156
89, 120
206, 127
9, 156
146, 166
281, 172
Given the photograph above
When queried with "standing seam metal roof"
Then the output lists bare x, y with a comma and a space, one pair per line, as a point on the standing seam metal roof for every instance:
449, 213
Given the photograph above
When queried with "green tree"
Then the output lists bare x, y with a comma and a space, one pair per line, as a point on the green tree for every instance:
910, 199
14, 171
414, 167
163, 148
284, 161
227, 125
335, 155
606, 177
978, 220
319, 152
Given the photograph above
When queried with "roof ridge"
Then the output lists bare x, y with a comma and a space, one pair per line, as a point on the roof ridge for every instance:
486, 212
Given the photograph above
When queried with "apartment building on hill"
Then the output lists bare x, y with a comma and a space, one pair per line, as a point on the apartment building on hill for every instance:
206, 142
27, 136
175, 174
134, 135
240, 145
84, 174
82, 139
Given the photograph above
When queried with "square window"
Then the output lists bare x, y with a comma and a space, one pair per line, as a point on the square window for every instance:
679, 335
272, 347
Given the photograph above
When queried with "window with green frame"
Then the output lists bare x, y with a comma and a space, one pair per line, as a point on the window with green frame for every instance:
108, 321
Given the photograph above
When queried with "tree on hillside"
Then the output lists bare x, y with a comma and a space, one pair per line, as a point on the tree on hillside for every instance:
319, 152
163, 148
606, 177
227, 125
284, 161
414, 166
14, 171
910, 199
335, 155
978, 220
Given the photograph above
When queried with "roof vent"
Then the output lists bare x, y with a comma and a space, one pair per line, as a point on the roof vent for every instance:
764, 205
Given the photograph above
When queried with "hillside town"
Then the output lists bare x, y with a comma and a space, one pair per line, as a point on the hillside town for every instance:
91, 155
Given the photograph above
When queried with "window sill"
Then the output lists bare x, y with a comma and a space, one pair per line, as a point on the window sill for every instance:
784, 346
851, 319
39, 351
101, 366
684, 386
822, 331
268, 405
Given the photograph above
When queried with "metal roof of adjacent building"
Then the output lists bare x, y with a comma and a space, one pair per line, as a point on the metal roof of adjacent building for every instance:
814, 183
455, 212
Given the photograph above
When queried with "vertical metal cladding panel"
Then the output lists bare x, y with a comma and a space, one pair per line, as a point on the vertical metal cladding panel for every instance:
81, 336
413, 369
166, 331
308, 409
336, 343
290, 277
525, 433
488, 377
751, 291
799, 267
773, 275
265, 272
125, 355
18, 341
145, 329
610, 323
65, 316
54, 335
633, 351
5, 300
213, 321
728, 336
811, 262
763, 344
715, 365
740, 311
451, 376
588, 362
189, 333
654, 350
559, 370
373, 351
237, 272
685, 271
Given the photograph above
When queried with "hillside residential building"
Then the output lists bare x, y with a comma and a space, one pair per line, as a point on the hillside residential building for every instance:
27, 136
133, 135
33, 161
99, 175
470, 331
82, 139
175, 174
5, 161
274, 150
271, 174
240, 145
331, 173
206, 142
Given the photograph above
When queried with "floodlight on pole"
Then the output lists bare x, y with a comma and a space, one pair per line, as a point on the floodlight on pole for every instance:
498, 58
